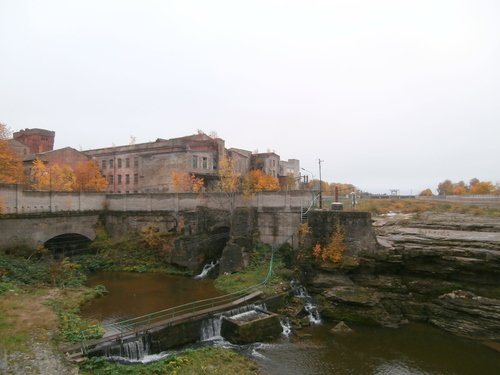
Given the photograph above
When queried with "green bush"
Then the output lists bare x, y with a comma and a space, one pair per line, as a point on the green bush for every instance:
71, 327
63, 273
101, 366
6, 286
23, 271
201, 361
93, 262
100, 290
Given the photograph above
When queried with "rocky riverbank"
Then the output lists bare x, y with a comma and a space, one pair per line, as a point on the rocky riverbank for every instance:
443, 269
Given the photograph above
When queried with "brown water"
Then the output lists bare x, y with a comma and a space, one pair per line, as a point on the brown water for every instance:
415, 349
135, 294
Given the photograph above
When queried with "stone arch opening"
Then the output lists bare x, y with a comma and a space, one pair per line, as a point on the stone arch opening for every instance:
220, 236
68, 245
212, 250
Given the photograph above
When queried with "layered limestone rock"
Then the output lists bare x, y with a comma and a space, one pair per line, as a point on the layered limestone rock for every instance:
437, 268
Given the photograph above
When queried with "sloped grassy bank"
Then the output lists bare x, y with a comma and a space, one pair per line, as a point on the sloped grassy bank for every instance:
40, 297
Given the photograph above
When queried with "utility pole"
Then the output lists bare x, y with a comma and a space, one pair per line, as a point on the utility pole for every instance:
320, 191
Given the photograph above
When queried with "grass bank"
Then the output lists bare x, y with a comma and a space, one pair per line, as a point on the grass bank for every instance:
214, 361
40, 299
256, 273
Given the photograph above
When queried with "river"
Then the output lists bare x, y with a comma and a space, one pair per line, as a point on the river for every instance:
135, 294
415, 349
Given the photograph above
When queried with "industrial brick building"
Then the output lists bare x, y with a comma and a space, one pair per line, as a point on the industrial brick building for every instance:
147, 167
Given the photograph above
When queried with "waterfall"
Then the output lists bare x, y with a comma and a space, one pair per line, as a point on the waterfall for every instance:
206, 269
286, 326
310, 307
133, 350
210, 328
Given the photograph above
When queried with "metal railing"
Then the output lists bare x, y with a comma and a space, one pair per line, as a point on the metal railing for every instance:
134, 324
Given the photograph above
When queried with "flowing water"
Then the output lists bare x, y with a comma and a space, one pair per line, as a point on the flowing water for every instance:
206, 269
415, 349
310, 307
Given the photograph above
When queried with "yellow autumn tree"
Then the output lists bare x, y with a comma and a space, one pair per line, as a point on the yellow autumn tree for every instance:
11, 167
459, 190
334, 250
54, 178
426, 193
229, 183
40, 176
229, 178
257, 181
89, 177
482, 187
62, 177
183, 182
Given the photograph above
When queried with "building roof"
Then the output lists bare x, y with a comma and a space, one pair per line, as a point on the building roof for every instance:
41, 155
167, 145
15, 143
34, 131
240, 151
265, 154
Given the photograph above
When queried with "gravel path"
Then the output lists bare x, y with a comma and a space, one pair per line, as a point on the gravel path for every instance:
41, 359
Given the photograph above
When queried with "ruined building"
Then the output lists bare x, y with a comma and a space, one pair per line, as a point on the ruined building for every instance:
31, 144
147, 167
36, 140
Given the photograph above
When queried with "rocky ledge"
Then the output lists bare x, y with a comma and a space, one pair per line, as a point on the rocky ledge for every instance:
438, 268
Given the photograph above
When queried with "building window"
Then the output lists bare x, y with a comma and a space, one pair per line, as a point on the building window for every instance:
119, 179
103, 164
214, 165
127, 163
136, 179
111, 163
195, 161
136, 162
110, 179
274, 163
127, 179
119, 163
205, 163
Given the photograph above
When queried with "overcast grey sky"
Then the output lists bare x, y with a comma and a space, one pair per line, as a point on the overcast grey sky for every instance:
390, 94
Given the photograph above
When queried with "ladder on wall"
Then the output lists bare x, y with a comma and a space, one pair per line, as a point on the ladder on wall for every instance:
305, 211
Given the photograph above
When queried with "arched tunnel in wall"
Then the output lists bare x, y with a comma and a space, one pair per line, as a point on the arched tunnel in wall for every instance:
68, 244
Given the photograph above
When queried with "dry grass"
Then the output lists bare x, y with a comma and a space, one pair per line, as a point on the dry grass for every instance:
23, 315
381, 206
